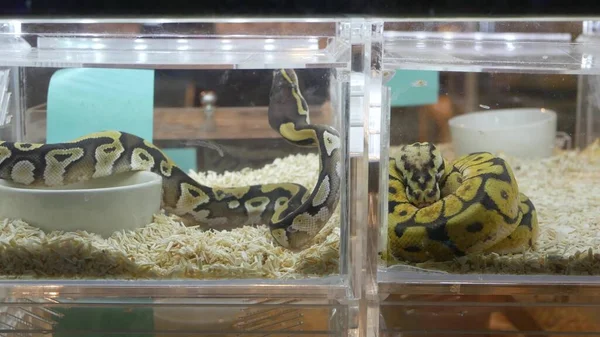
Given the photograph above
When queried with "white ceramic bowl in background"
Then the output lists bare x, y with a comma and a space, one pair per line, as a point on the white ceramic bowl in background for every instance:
101, 206
522, 132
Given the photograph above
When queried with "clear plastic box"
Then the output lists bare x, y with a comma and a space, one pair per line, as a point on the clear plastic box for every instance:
200, 90
227, 101
523, 90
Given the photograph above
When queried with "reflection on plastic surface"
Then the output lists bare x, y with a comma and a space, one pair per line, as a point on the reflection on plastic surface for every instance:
180, 317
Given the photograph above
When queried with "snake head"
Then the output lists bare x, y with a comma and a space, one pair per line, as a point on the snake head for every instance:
422, 167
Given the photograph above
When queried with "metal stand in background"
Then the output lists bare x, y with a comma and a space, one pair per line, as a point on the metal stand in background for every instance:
208, 99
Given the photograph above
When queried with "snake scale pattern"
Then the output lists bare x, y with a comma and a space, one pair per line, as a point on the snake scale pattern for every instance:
439, 210
293, 214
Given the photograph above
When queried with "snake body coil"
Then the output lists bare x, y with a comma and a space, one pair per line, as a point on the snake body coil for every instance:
439, 210
294, 214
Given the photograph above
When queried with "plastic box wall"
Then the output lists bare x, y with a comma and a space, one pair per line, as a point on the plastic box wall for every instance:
414, 302
326, 306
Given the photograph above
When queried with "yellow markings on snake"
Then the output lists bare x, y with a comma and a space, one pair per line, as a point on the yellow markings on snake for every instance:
452, 205
293, 189
4, 154
394, 187
453, 182
309, 223
338, 169
27, 146
166, 168
280, 236
429, 214
154, 147
290, 132
322, 193
141, 160
256, 205
106, 155
280, 202
191, 197
469, 188
57, 161
479, 209
504, 195
280, 206
478, 229
233, 204
332, 142
472, 160
237, 192
523, 235
402, 212
203, 216
412, 243
150, 145
22, 172
297, 96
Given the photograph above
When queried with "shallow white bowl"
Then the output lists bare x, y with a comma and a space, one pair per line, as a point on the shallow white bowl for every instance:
101, 206
523, 132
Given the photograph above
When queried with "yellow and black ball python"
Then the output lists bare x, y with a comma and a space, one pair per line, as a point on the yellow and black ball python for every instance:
439, 210
294, 214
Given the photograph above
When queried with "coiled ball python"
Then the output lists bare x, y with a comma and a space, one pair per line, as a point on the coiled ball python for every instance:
293, 214
439, 210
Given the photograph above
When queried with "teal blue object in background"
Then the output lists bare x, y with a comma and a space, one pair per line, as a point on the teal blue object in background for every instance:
185, 158
106, 321
86, 100
414, 87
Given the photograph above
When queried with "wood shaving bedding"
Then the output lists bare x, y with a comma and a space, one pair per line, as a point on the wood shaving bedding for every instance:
168, 249
565, 190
